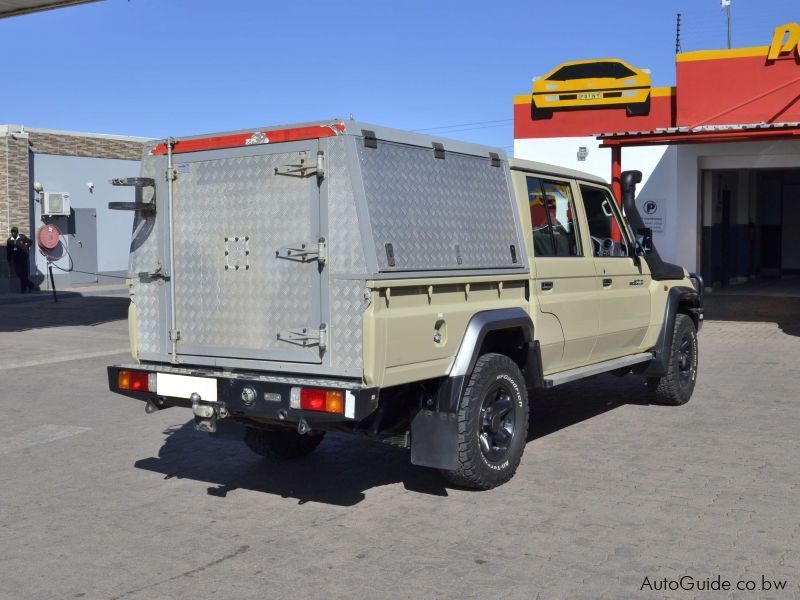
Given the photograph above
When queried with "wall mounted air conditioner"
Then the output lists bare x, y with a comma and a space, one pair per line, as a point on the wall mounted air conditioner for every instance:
55, 204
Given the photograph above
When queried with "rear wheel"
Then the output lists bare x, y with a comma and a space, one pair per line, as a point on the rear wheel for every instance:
677, 385
283, 444
492, 424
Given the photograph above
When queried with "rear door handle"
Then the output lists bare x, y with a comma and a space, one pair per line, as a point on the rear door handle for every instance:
547, 285
607, 282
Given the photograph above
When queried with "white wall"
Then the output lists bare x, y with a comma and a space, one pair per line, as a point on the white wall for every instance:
564, 153
72, 174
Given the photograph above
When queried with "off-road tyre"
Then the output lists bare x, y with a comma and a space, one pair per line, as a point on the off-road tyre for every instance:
676, 387
282, 444
494, 375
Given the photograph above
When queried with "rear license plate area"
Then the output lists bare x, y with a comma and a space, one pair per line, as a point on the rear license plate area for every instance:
183, 386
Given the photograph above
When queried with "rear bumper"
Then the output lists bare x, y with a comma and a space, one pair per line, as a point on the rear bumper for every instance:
272, 398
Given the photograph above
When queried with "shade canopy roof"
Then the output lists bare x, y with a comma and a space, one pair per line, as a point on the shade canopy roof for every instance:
745, 132
12, 8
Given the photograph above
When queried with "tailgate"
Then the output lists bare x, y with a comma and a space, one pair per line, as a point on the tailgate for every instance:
247, 280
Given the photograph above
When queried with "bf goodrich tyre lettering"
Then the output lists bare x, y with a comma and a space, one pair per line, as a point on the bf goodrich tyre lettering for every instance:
492, 424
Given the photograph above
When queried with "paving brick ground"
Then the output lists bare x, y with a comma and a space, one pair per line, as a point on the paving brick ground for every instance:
99, 500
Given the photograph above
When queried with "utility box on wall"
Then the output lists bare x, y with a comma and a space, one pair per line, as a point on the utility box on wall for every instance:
55, 204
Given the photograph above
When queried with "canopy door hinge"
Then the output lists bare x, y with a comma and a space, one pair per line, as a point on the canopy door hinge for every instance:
304, 167
305, 252
305, 336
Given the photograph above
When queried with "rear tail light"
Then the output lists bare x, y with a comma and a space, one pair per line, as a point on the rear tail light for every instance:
327, 401
136, 381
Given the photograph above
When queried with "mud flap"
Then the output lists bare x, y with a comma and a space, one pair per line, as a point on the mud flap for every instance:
434, 440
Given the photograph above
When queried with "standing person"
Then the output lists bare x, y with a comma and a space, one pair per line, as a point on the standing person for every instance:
17, 248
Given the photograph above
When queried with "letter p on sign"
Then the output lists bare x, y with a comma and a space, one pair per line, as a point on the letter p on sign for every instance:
791, 34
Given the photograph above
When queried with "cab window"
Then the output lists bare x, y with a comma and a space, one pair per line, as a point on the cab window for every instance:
553, 221
605, 229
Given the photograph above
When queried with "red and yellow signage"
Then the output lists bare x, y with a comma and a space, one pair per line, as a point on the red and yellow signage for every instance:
738, 86
786, 39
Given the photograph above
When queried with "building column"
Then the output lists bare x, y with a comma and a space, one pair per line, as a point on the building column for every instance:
616, 172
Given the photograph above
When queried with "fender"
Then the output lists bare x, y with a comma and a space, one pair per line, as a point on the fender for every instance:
663, 348
434, 432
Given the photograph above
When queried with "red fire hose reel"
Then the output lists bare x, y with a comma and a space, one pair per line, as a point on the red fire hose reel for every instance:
48, 237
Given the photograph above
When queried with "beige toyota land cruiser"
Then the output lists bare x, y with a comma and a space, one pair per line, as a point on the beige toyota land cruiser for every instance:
342, 277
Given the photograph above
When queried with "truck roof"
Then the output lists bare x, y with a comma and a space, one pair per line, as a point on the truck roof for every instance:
546, 168
316, 129
336, 127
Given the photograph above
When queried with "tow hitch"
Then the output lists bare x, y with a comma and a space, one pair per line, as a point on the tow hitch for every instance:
303, 427
206, 413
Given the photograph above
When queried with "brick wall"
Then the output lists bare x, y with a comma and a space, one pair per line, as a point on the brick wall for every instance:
16, 150
14, 193
4, 225
74, 145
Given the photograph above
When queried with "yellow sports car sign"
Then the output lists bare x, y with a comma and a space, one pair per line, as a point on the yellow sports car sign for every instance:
592, 83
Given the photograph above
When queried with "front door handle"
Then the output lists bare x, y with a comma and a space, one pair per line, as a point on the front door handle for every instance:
607, 282
547, 285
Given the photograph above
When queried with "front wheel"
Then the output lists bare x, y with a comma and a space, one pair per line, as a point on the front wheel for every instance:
492, 424
280, 443
676, 387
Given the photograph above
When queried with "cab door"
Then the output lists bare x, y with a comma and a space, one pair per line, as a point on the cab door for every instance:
622, 282
564, 278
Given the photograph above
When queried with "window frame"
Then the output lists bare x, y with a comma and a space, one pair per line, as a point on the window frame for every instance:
577, 227
616, 211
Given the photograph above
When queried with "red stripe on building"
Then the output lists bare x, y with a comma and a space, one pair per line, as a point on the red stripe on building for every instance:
590, 121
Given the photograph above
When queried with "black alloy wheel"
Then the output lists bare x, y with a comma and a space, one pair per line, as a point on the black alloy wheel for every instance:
492, 424
497, 422
677, 385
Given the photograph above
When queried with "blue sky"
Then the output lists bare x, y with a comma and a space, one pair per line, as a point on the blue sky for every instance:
175, 67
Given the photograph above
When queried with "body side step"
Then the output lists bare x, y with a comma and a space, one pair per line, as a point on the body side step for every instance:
595, 369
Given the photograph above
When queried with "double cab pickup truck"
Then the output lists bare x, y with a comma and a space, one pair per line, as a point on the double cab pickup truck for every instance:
343, 277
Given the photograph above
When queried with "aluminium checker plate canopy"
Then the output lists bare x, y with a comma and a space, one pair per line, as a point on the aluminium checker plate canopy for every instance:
350, 201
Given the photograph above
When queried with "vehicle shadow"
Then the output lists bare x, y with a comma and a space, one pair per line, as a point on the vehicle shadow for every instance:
71, 310
344, 467
572, 403
782, 310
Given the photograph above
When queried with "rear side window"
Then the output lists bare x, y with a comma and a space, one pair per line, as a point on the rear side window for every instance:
591, 71
553, 223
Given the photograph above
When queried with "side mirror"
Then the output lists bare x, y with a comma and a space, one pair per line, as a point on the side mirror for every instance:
644, 241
